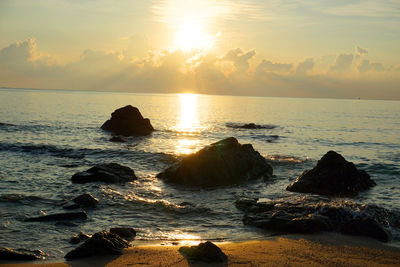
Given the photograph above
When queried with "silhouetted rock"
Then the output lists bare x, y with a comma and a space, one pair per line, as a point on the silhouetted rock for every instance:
332, 176
128, 121
108, 173
20, 254
206, 252
126, 233
60, 217
6, 124
82, 201
100, 244
78, 238
222, 163
117, 139
249, 126
310, 214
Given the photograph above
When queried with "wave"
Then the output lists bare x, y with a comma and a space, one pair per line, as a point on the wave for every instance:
24, 199
285, 159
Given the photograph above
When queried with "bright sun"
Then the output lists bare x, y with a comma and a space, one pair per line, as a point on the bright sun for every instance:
191, 35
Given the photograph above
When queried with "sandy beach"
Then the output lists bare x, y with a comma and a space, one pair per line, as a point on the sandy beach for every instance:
316, 250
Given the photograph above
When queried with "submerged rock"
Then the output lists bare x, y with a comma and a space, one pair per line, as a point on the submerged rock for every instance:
82, 201
128, 121
222, 163
100, 244
249, 126
59, 217
311, 214
117, 139
207, 252
332, 176
20, 254
108, 173
126, 233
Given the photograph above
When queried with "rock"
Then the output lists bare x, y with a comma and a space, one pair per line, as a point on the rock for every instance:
126, 233
365, 227
108, 173
60, 217
222, 163
117, 139
310, 214
86, 200
332, 176
128, 121
78, 238
100, 244
249, 126
20, 254
206, 252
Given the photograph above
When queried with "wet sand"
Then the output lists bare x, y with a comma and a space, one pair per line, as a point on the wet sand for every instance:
319, 250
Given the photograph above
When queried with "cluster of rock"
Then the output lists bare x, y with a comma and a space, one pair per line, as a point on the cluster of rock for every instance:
310, 214
8, 254
226, 162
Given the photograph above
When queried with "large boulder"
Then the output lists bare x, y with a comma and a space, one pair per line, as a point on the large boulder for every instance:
128, 121
332, 176
108, 173
222, 163
8, 254
100, 244
206, 252
310, 214
127, 233
67, 216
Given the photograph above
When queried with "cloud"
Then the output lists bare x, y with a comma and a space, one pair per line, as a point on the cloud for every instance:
267, 65
304, 67
237, 72
342, 63
366, 66
361, 51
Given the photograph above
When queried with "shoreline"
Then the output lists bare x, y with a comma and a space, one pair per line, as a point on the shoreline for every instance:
325, 249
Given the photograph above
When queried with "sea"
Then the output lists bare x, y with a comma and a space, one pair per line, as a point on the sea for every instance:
48, 135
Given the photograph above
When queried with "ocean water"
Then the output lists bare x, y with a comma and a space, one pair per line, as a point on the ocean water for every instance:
49, 135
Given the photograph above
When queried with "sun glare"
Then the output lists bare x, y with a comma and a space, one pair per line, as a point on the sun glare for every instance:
191, 35
188, 120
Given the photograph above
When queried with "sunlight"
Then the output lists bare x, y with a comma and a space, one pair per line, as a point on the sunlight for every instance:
187, 146
188, 119
191, 35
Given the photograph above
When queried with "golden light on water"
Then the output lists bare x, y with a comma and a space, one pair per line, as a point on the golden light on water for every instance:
188, 115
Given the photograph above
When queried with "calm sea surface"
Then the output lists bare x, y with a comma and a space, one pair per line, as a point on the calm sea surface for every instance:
54, 134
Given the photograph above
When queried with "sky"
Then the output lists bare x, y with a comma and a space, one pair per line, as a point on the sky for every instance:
293, 48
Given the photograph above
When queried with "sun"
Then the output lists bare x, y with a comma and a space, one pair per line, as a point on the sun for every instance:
191, 35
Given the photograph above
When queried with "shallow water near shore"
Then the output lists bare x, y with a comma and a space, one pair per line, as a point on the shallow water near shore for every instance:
47, 136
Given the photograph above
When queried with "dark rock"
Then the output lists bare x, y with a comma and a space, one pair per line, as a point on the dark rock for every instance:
100, 244
117, 139
86, 201
108, 173
206, 252
249, 126
6, 124
310, 214
222, 163
78, 238
126, 233
365, 227
128, 121
60, 217
332, 176
71, 206
20, 254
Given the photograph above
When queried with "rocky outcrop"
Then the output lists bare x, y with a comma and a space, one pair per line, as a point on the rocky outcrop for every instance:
249, 126
126, 233
8, 254
310, 214
128, 121
107, 173
206, 252
332, 176
222, 163
100, 244
79, 238
59, 217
